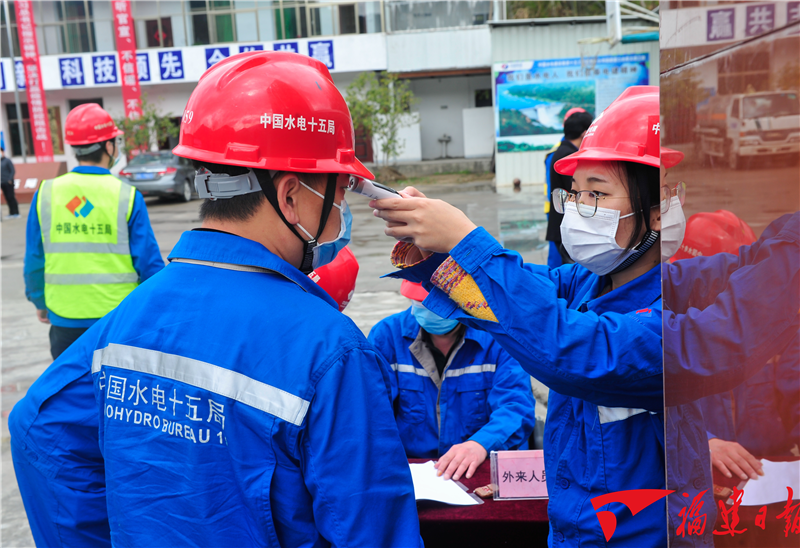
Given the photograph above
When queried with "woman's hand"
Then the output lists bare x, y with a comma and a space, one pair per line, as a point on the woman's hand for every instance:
729, 456
432, 225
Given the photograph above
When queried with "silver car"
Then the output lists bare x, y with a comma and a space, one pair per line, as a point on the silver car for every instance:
160, 174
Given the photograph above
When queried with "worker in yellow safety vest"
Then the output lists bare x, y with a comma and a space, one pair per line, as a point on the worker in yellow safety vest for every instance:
89, 242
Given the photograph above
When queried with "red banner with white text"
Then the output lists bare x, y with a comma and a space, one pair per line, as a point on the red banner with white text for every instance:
126, 48
37, 103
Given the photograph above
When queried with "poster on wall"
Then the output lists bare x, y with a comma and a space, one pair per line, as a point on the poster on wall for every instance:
531, 97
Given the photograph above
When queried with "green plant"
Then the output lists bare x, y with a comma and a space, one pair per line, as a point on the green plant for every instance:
151, 127
382, 106
561, 8
681, 92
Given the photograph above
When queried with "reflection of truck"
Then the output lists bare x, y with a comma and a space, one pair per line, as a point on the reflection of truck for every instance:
741, 126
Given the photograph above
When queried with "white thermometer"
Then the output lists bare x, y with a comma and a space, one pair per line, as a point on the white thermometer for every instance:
371, 189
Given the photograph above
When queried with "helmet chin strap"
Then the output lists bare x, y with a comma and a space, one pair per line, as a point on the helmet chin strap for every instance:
647, 242
265, 179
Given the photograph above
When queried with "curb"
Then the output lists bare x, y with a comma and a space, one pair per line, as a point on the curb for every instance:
447, 188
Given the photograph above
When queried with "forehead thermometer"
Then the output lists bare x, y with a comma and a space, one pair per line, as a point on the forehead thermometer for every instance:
372, 189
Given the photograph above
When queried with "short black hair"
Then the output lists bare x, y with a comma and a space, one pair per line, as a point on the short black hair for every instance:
97, 155
242, 208
576, 124
643, 184
237, 208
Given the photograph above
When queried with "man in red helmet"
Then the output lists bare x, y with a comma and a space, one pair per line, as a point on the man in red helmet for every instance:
88, 240
228, 402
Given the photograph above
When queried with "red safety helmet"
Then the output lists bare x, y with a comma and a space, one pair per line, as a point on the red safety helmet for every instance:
572, 111
338, 278
413, 291
711, 233
627, 131
88, 124
270, 110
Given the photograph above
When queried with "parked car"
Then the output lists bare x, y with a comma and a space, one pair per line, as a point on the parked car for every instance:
160, 174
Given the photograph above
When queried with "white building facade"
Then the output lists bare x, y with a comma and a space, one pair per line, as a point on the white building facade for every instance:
443, 48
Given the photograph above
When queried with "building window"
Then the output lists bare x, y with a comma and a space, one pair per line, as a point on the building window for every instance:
743, 72
483, 98
56, 135
13, 129
4, 31
78, 26
78, 102
415, 15
205, 22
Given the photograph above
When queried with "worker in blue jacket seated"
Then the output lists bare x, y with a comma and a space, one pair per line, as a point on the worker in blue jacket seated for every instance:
457, 394
227, 401
590, 331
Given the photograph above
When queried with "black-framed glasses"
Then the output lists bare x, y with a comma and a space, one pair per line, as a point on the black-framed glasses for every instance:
585, 201
668, 193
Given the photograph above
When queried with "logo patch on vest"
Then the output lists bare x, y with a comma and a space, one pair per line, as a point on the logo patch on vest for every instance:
645, 312
85, 206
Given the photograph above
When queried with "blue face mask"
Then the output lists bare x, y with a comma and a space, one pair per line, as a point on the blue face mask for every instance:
325, 253
430, 322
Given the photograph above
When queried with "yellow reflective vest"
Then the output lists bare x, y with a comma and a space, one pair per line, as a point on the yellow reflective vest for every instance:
88, 268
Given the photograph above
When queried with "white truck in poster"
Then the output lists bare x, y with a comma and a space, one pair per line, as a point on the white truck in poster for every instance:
736, 128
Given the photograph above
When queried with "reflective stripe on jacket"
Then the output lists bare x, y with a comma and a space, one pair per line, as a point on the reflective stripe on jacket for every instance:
485, 395
241, 405
88, 264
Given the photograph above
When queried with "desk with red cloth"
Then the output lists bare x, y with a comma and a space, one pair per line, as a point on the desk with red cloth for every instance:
494, 523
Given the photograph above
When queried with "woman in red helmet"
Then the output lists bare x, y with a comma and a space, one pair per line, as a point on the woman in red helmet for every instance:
590, 331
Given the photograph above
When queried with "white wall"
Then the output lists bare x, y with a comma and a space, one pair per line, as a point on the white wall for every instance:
412, 151
438, 50
686, 27
351, 53
441, 102
169, 98
478, 132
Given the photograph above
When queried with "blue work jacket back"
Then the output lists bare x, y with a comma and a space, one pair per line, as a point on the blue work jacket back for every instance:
223, 405
600, 356
485, 396
763, 413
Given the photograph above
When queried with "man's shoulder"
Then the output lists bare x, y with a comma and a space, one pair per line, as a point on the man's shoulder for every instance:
564, 150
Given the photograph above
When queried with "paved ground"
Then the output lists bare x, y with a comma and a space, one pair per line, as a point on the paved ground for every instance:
516, 219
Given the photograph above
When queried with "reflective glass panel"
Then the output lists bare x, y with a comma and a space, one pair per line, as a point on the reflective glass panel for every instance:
729, 103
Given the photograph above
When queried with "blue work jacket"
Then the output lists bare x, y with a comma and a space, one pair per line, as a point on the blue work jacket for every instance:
601, 358
222, 406
763, 413
145, 253
485, 396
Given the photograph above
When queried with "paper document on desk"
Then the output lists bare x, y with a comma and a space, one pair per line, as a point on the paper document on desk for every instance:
428, 486
771, 487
